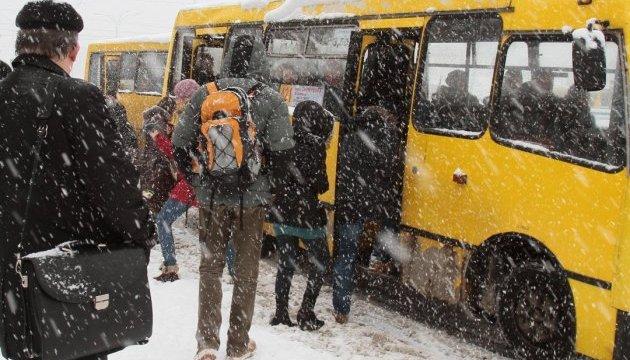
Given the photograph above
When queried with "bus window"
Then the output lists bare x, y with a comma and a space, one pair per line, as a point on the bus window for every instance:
207, 66
113, 76
458, 72
182, 56
150, 73
542, 109
245, 55
309, 63
96, 70
128, 66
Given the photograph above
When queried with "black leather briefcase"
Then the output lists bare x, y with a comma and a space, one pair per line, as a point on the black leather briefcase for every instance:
81, 300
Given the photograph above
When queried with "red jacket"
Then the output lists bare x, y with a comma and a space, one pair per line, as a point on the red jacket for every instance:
182, 191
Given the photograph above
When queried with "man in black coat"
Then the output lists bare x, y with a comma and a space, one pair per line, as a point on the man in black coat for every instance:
5, 69
84, 188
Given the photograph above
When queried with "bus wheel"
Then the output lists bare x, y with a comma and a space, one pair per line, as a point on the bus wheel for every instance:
536, 312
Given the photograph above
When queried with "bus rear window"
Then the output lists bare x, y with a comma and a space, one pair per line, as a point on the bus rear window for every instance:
150, 74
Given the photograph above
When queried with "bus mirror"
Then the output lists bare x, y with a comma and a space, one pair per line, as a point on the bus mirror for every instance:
589, 65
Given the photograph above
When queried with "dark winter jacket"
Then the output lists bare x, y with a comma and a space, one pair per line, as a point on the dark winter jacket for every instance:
85, 187
156, 169
5, 69
368, 176
296, 201
119, 115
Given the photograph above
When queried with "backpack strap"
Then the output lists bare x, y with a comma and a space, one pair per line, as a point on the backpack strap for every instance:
212, 87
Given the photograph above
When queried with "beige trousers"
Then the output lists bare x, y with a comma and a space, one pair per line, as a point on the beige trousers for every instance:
216, 224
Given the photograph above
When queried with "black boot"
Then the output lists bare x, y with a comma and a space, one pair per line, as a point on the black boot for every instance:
308, 321
282, 317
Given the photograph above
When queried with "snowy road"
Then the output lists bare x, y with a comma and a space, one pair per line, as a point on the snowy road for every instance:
372, 332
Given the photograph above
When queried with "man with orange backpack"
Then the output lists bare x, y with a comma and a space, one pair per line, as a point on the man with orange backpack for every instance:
239, 131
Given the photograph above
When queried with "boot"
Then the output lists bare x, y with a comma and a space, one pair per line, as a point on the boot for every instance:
308, 321
282, 317
249, 352
340, 318
169, 273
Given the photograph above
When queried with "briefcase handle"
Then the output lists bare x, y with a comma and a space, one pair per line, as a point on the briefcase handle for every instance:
72, 247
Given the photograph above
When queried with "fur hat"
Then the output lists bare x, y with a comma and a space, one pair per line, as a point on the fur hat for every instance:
47, 14
185, 89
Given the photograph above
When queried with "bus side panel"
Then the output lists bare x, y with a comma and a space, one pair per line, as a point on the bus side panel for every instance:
595, 320
331, 165
136, 104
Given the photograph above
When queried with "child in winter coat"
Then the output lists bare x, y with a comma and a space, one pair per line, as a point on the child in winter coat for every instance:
181, 197
156, 172
300, 215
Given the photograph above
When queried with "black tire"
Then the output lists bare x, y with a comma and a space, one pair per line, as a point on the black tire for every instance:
536, 312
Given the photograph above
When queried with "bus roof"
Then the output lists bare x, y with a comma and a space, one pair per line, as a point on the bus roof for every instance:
225, 12
137, 43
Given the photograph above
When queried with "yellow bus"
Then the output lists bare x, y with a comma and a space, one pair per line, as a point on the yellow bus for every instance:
131, 68
515, 191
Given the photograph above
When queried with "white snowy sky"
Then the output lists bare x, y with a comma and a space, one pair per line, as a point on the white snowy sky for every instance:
103, 20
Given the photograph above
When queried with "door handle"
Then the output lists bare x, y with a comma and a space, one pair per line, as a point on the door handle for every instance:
460, 177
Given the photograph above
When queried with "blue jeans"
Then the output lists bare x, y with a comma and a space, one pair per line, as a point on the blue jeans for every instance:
171, 211
343, 271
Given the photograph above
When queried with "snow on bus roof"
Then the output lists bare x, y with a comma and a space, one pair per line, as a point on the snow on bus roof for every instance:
287, 11
158, 38
245, 4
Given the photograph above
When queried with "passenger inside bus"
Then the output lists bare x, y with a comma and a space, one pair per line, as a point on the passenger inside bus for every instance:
452, 103
539, 105
549, 110
203, 71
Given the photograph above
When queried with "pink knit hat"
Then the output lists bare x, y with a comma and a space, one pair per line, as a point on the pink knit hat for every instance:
185, 89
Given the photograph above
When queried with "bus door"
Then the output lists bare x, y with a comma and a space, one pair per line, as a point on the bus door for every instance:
385, 81
208, 54
441, 190
112, 73
309, 63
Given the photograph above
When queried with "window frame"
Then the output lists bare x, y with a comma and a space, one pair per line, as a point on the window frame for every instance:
179, 38
139, 54
422, 66
555, 36
101, 70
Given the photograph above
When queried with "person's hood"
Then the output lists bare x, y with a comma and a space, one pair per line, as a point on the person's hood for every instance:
155, 118
312, 123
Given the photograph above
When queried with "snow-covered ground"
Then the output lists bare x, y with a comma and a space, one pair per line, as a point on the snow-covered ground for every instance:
371, 333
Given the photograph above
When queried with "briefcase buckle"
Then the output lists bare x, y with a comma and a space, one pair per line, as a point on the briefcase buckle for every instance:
101, 302
24, 281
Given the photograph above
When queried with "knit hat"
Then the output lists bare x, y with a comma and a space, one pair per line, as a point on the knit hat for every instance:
185, 89
50, 15
312, 122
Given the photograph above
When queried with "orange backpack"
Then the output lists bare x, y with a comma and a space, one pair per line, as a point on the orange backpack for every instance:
232, 152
